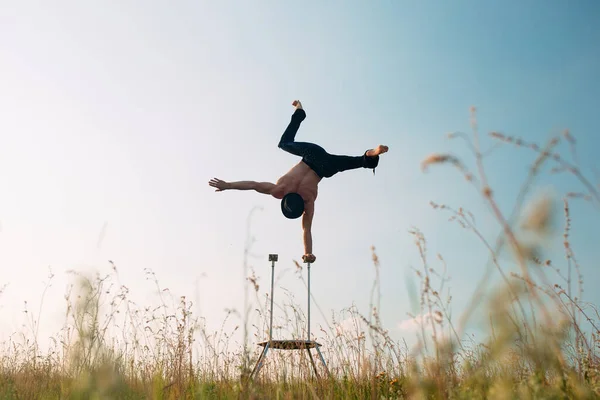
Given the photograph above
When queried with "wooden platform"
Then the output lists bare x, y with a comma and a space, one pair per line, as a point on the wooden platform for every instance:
291, 344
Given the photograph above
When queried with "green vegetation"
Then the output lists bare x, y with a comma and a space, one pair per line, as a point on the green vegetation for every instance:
543, 338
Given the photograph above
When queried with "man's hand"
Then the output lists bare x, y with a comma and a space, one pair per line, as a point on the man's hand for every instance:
219, 184
309, 258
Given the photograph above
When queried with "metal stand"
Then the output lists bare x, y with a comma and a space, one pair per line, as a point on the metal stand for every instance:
287, 344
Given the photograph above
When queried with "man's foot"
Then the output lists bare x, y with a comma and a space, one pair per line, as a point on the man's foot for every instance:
377, 151
297, 104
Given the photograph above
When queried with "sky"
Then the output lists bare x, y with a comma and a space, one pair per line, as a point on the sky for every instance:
115, 115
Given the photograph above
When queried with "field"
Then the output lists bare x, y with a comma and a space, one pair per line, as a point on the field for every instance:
544, 340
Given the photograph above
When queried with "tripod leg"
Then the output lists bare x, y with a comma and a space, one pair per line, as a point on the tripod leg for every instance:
259, 362
256, 365
323, 361
313, 362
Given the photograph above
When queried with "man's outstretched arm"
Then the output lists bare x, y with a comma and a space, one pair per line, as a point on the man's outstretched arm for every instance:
260, 187
307, 218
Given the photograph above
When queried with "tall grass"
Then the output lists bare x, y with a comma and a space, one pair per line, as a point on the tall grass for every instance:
543, 337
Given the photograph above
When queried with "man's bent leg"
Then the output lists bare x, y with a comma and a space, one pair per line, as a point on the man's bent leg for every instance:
302, 149
289, 134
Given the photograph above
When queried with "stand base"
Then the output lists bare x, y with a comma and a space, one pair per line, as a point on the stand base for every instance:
289, 345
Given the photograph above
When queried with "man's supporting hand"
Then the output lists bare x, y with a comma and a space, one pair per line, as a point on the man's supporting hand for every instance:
309, 258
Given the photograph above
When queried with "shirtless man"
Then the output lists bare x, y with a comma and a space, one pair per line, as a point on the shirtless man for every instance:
297, 189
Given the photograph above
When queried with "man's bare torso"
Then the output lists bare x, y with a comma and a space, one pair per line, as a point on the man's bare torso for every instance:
300, 179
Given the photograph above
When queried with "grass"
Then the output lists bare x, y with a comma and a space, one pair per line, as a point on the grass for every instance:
543, 343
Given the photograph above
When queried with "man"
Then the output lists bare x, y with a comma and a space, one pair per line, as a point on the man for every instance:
297, 189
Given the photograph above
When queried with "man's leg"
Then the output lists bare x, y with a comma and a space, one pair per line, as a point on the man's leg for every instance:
341, 163
287, 141
289, 135
324, 164
345, 163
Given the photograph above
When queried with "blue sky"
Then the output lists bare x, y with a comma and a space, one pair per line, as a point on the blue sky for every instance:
117, 115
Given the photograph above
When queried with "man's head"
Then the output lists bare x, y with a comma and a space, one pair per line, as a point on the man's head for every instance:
292, 205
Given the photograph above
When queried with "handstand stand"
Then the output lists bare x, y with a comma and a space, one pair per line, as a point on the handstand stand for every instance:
297, 189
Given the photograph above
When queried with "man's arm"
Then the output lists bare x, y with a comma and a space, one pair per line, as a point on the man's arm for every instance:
260, 187
307, 218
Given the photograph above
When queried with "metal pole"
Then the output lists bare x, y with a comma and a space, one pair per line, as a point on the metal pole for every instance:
263, 355
309, 301
272, 284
